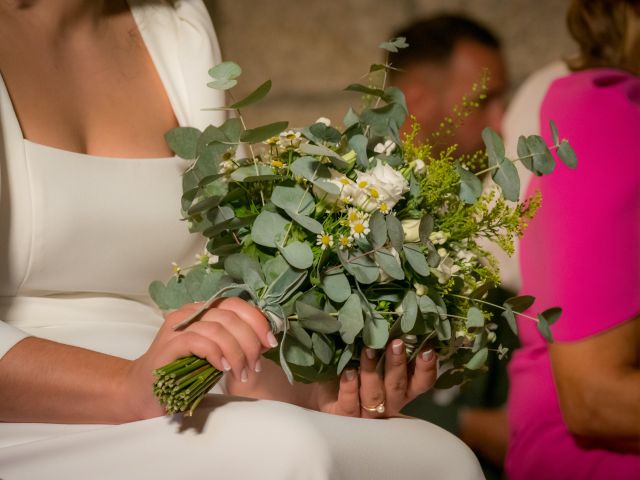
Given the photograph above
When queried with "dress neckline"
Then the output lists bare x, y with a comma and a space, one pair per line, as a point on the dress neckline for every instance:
136, 11
31, 145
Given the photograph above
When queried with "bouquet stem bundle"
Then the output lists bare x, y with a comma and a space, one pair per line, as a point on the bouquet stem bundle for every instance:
182, 384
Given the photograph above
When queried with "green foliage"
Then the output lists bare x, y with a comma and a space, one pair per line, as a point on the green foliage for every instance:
346, 237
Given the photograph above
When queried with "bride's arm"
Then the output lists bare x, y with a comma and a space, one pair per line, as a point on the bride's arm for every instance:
598, 381
44, 381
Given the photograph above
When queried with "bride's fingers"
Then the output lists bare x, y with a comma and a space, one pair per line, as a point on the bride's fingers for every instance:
348, 395
395, 376
252, 316
424, 374
371, 384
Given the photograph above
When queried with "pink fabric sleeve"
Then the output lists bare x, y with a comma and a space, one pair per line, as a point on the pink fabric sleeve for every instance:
582, 251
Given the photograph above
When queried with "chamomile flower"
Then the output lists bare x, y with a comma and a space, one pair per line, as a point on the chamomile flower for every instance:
289, 138
345, 241
277, 163
439, 237
273, 140
324, 240
354, 215
360, 228
176, 269
384, 207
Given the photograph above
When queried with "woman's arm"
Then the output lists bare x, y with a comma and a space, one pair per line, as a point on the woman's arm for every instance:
44, 381
598, 381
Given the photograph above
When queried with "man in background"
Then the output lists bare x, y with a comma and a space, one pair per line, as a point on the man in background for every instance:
446, 56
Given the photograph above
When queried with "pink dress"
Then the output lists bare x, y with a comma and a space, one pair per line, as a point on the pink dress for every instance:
581, 252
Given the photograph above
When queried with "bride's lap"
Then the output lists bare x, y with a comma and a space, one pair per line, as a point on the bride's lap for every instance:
233, 438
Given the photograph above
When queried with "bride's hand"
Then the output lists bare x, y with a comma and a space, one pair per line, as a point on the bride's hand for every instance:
366, 394
231, 336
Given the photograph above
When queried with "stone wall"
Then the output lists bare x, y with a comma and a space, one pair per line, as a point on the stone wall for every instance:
312, 49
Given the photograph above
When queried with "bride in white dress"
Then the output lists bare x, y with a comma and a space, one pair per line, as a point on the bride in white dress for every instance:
89, 215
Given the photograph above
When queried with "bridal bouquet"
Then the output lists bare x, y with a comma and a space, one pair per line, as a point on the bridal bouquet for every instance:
347, 237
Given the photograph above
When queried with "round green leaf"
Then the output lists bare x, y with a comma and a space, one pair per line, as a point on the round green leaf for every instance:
297, 254
266, 227
294, 198
337, 287
351, 319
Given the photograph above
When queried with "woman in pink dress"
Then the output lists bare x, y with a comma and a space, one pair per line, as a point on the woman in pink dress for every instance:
574, 407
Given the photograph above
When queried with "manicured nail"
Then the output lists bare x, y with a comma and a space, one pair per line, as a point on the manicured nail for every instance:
427, 356
271, 339
351, 374
258, 367
370, 353
396, 346
244, 376
225, 365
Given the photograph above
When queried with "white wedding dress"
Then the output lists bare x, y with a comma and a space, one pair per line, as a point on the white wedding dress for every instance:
81, 237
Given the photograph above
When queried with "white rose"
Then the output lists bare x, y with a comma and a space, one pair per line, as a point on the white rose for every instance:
384, 184
411, 228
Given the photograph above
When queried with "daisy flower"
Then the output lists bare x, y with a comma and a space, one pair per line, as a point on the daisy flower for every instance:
324, 240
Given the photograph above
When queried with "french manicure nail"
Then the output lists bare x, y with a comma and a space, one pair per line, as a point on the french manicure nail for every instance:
351, 374
258, 367
271, 339
396, 347
244, 376
427, 356
225, 365
370, 353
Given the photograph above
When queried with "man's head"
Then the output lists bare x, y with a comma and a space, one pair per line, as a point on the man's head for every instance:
446, 55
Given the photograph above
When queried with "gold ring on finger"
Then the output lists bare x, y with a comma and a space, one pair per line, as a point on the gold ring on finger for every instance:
377, 409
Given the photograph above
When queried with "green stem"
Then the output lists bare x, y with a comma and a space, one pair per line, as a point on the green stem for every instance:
494, 305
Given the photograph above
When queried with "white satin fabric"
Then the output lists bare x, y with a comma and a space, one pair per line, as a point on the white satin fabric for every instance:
82, 237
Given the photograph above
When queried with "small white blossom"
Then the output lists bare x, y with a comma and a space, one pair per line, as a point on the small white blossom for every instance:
438, 238
345, 242
324, 240
419, 166
360, 228
289, 138
420, 289
386, 148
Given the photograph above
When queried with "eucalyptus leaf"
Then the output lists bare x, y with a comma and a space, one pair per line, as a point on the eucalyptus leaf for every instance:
183, 141
359, 145
228, 226
242, 173
551, 315
470, 185
297, 353
443, 329
389, 263
509, 316
409, 311
478, 360
482, 290
297, 254
325, 133
285, 285
543, 328
394, 45
520, 303
300, 334
260, 134
202, 282
359, 265
427, 305
543, 162
494, 146
395, 231
475, 318
506, 176
382, 121
205, 204
308, 223
322, 348
378, 227
343, 361
524, 154
450, 378
425, 228
336, 286
266, 227
225, 70
255, 96
351, 319
415, 256
567, 155
357, 87
243, 267
375, 333
315, 319
294, 198
554, 132
169, 297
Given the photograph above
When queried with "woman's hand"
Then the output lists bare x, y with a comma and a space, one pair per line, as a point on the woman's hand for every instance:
368, 395
231, 336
